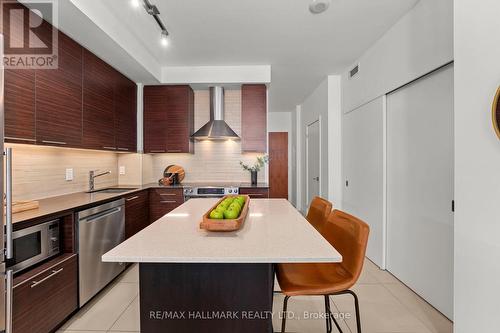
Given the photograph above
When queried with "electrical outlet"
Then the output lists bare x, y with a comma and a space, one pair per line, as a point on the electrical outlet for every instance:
69, 174
122, 170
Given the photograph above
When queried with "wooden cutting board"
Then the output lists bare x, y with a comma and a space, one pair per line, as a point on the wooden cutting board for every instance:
178, 170
21, 206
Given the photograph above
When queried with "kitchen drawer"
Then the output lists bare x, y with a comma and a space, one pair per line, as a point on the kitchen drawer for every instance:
136, 212
42, 302
256, 193
170, 193
163, 201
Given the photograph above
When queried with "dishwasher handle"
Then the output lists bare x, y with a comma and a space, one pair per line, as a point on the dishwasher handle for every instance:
100, 215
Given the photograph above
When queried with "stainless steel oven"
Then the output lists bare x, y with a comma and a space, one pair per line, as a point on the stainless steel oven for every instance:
209, 192
34, 244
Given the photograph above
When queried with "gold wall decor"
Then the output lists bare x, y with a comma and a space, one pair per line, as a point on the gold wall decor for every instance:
496, 112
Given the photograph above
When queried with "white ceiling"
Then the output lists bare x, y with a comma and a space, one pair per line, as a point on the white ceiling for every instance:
302, 48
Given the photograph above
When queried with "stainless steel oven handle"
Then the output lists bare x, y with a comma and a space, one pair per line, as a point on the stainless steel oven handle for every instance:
54, 273
8, 195
94, 217
9, 299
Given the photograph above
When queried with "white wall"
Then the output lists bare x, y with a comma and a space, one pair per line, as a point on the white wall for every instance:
419, 43
477, 165
282, 122
322, 104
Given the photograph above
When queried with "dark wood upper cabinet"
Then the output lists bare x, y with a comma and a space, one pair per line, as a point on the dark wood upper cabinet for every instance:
19, 89
125, 114
180, 122
168, 119
155, 119
83, 103
20, 106
98, 103
59, 98
254, 118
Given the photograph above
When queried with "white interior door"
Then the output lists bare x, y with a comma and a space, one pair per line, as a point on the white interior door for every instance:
420, 187
363, 169
313, 161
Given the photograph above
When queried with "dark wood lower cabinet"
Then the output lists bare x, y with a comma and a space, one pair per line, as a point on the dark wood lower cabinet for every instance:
163, 201
45, 298
222, 298
136, 212
255, 193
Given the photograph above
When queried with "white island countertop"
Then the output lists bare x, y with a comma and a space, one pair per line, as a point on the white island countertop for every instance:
274, 232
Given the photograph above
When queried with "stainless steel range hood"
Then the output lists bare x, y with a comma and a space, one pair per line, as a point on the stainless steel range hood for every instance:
216, 128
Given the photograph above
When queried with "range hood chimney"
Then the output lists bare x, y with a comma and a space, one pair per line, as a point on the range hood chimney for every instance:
216, 128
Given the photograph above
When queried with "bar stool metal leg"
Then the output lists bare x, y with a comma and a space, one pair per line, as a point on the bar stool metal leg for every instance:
331, 316
356, 306
283, 320
328, 315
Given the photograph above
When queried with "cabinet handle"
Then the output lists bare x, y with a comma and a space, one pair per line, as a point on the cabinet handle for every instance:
54, 273
157, 151
174, 151
54, 142
19, 139
168, 201
168, 194
133, 198
110, 148
258, 194
124, 149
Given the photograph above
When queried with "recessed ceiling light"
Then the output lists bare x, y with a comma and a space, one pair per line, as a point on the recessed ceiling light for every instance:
319, 6
135, 3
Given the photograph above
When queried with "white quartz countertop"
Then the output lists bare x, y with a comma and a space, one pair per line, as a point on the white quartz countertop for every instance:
274, 232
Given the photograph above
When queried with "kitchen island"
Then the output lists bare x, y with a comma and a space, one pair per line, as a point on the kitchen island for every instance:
192, 280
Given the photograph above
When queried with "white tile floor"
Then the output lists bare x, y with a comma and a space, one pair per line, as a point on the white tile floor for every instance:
387, 306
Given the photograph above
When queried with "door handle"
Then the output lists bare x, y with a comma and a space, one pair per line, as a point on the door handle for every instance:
9, 299
316, 179
8, 199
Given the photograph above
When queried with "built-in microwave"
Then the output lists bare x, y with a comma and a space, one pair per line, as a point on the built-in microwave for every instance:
34, 244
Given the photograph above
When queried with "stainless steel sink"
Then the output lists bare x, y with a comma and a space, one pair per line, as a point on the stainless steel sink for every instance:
115, 190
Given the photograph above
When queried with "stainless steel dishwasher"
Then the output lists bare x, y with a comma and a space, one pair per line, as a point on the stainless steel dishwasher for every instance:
100, 229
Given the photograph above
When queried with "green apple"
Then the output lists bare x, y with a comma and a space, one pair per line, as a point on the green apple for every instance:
235, 205
216, 214
241, 201
231, 214
222, 207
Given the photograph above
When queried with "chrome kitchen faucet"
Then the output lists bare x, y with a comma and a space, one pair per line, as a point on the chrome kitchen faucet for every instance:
93, 176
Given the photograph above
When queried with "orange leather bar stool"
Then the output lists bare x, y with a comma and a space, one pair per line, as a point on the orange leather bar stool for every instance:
349, 236
318, 212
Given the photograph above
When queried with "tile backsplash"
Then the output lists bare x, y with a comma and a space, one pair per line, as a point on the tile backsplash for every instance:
216, 161
39, 172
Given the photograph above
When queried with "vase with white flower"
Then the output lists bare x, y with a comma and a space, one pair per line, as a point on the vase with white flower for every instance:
254, 169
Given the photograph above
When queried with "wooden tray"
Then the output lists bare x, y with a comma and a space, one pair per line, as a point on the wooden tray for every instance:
225, 225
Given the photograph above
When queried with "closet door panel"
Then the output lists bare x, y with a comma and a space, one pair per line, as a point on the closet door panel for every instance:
363, 172
420, 187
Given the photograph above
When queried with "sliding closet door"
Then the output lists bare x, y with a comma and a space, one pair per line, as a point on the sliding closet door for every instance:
420, 187
362, 132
